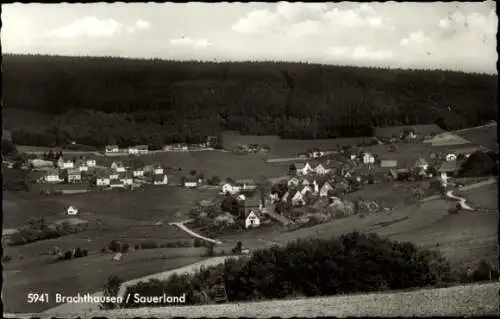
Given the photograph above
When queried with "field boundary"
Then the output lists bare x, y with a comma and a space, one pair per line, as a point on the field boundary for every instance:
192, 233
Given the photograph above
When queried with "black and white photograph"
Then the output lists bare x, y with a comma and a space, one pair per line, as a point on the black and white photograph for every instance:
260, 159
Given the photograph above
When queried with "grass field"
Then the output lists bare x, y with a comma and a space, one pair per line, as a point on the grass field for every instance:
88, 274
285, 147
484, 197
464, 238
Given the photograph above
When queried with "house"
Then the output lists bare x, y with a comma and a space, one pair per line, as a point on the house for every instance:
449, 168
114, 175
52, 176
228, 188
315, 153
138, 149
115, 183
422, 163
112, 149
368, 158
293, 182
246, 184
138, 172
306, 189
91, 163
285, 196
298, 199
72, 211
65, 164
451, 157
388, 163
315, 187
102, 179
305, 182
82, 166
190, 182
118, 167
325, 189
74, 176
252, 219
125, 178
303, 169
158, 170
160, 179
321, 170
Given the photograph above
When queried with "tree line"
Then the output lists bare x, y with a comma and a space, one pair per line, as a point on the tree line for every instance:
157, 101
347, 264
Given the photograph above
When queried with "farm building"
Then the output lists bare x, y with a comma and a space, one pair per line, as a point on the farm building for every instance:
190, 182
399, 131
160, 179
138, 149
138, 172
252, 219
158, 170
102, 178
112, 149
368, 158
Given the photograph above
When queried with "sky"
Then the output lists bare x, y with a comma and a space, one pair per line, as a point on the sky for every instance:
434, 35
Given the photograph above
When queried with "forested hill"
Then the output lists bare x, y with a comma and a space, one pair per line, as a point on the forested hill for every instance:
189, 100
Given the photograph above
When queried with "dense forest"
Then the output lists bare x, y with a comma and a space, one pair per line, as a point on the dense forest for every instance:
98, 100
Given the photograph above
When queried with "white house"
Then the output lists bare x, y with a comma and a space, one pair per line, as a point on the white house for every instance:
190, 183
306, 189
159, 179
158, 170
112, 149
72, 211
138, 149
103, 181
115, 183
293, 182
126, 179
83, 168
305, 182
304, 169
252, 220
114, 175
298, 199
52, 177
274, 197
321, 170
368, 158
74, 176
228, 188
323, 192
451, 157
139, 172
65, 164
352, 157
118, 167
91, 163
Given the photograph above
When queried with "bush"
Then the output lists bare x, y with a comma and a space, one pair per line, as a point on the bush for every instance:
125, 248
68, 255
111, 289
137, 246
150, 244
103, 250
115, 246
198, 242
6, 258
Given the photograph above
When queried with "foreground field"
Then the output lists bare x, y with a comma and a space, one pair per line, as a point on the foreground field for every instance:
151, 204
460, 301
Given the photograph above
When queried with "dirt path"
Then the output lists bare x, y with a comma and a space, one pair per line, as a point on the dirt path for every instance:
461, 200
192, 233
460, 301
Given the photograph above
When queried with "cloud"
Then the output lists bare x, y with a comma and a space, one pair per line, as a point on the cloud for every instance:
189, 42
92, 27
88, 27
415, 38
302, 19
360, 52
255, 22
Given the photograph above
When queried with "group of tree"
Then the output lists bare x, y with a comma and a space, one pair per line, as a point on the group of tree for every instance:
480, 164
38, 229
99, 100
351, 263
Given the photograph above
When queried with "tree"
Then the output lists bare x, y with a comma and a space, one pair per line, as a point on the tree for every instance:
111, 289
192, 172
478, 164
292, 170
214, 180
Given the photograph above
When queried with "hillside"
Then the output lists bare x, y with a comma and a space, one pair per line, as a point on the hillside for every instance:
186, 101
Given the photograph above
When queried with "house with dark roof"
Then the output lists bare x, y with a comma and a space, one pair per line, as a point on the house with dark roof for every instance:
450, 168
